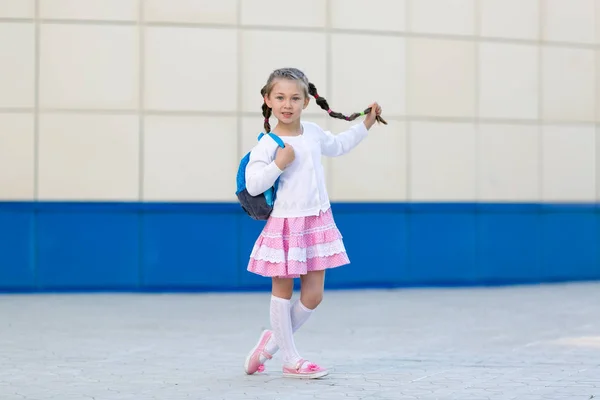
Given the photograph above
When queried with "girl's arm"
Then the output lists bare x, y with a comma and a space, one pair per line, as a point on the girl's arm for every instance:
261, 171
342, 143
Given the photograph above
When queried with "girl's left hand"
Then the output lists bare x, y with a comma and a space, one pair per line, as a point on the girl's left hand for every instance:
371, 117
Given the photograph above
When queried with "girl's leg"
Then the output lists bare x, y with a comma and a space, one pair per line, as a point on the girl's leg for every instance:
311, 291
281, 293
302, 309
310, 296
282, 288
281, 321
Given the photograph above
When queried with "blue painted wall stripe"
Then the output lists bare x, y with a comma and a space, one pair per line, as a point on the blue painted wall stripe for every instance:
81, 246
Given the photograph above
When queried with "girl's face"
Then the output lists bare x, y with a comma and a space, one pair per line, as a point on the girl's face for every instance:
287, 100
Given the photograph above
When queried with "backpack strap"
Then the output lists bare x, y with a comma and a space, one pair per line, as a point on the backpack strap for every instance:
273, 136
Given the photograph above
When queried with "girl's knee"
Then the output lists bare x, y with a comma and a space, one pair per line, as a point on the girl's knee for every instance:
311, 299
313, 285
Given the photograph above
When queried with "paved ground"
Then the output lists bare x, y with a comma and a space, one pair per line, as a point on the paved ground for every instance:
526, 343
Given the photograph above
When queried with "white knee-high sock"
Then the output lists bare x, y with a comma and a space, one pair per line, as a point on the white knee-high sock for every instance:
299, 314
281, 323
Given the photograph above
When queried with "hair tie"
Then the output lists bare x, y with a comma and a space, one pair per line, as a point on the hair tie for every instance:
266, 119
329, 111
316, 95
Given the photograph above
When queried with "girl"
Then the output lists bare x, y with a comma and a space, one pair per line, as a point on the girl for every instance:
300, 239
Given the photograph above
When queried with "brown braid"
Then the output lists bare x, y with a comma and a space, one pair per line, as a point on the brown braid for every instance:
266, 111
267, 114
312, 90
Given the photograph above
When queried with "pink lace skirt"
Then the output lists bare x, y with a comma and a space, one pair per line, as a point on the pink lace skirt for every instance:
290, 247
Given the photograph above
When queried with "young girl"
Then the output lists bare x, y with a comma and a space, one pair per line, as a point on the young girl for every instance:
300, 239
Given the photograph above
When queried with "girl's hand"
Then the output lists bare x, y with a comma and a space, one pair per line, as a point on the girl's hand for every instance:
285, 156
372, 116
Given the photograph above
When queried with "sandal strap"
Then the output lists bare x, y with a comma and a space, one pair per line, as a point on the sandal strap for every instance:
266, 354
299, 364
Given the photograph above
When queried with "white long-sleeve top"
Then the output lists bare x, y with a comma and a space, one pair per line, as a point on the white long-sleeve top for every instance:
302, 190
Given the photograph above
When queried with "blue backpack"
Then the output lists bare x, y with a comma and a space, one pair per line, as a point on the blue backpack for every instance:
258, 207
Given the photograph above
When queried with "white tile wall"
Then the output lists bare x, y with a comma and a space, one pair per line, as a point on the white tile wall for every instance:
17, 74
359, 82
251, 128
108, 10
17, 157
88, 157
89, 66
570, 21
439, 67
376, 170
378, 15
442, 161
568, 84
191, 11
441, 78
190, 158
569, 163
597, 85
265, 51
511, 19
456, 17
597, 22
597, 163
17, 8
509, 162
508, 86
190, 69
284, 13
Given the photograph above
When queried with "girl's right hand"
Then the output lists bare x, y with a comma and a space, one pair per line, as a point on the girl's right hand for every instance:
285, 156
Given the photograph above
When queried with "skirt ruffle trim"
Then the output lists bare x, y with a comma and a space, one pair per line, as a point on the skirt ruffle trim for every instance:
294, 269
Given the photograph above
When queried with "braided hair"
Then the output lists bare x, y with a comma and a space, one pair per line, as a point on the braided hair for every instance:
312, 90
266, 111
309, 89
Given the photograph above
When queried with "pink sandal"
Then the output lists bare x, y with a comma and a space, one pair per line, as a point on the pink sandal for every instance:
304, 370
253, 363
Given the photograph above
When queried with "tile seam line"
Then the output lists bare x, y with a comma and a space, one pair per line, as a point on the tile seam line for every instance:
424, 35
